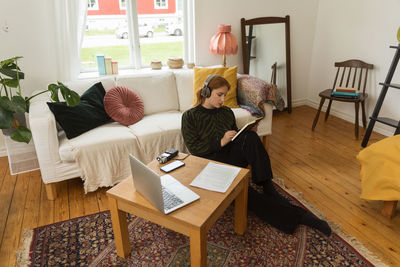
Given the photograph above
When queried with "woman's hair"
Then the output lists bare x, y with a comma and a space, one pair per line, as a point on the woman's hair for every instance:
216, 82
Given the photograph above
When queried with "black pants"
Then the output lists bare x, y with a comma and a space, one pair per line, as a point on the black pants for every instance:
248, 149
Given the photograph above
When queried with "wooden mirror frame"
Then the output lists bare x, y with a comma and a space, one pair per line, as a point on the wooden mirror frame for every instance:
246, 56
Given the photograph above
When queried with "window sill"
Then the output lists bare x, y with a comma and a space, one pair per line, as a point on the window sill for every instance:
95, 74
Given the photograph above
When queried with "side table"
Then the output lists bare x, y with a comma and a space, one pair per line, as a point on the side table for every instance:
193, 220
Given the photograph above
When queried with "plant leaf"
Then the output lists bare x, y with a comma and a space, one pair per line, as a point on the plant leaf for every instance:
18, 104
6, 104
8, 62
10, 82
6, 118
53, 88
71, 97
12, 73
22, 134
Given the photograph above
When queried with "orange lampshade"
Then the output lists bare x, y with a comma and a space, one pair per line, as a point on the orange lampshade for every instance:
224, 42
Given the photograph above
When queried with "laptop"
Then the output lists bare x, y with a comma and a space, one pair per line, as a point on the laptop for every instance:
164, 192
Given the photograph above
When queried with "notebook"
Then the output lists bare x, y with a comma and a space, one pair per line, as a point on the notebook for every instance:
164, 192
248, 126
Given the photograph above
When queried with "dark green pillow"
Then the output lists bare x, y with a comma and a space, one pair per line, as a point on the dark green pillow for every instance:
88, 114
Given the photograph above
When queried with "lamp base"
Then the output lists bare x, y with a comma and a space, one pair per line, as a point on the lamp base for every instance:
224, 60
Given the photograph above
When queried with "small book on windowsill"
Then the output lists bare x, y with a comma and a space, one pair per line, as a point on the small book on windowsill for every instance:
248, 126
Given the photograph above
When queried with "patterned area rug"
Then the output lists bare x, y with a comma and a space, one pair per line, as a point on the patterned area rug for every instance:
88, 241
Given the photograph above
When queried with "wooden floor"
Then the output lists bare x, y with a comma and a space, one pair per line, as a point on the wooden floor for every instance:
320, 164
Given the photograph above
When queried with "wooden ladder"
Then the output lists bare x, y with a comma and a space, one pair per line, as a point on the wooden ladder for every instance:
385, 86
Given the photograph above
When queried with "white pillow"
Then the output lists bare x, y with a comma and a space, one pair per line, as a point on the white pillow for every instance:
157, 90
184, 84
81, 85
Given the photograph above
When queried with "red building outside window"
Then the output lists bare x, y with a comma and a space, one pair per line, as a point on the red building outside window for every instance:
160, 29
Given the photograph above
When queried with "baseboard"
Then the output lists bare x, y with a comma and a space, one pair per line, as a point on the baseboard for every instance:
379, 128
299, 102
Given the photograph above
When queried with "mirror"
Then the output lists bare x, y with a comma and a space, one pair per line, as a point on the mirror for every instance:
266, 52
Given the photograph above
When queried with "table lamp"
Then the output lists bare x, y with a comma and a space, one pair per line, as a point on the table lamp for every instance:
224, 42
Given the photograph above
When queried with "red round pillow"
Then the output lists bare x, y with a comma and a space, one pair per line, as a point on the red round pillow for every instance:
123, 105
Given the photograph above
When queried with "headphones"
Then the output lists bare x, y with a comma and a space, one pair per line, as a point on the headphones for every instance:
205, 90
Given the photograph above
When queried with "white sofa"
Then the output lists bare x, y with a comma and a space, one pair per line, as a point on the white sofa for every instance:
99, 156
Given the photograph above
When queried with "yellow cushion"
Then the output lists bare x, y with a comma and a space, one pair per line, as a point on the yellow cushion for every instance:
380, 170
230, 74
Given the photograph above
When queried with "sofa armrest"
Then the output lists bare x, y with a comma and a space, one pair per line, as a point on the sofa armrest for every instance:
265, 125
44, 133
253, 93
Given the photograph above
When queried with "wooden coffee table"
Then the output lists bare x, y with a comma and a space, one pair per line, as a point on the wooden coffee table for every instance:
193, 220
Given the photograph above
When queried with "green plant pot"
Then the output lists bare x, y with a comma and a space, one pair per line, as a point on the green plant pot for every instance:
21, 120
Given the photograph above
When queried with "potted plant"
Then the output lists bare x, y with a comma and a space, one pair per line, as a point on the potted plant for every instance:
13, 105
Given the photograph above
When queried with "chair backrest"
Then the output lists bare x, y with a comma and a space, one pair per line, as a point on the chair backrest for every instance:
352, 73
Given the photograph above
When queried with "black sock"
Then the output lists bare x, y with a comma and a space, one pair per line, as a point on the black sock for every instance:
310, 220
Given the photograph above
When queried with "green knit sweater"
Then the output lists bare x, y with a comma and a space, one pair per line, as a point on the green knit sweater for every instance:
203, 128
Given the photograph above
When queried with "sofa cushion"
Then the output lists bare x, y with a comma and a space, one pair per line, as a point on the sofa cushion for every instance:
88, 114
230, 74
123, 105
157, 90
159, 132
184, 85
81, 85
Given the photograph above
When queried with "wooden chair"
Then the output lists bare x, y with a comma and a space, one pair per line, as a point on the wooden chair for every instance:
353, 73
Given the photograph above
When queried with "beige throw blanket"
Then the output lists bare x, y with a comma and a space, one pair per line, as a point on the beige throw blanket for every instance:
102, 155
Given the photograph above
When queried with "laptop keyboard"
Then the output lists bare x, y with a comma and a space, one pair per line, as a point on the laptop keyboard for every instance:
170, 200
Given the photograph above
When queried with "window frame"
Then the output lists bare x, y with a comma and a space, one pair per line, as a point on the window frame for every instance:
160, 6
123, 7
134, 41
95, 6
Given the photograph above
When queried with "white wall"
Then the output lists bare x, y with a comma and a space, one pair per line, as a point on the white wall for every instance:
26, 30
210, 13
31, 35
361, 29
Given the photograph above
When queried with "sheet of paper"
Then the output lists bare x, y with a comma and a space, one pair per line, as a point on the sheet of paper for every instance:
216, 177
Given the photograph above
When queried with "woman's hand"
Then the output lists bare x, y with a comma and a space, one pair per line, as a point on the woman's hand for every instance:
227, 137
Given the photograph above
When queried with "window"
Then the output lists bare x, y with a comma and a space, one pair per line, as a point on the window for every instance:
126, 32
161, 4
122, 4
93, 5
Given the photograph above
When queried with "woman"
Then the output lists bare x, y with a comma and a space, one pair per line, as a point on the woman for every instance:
208, 129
